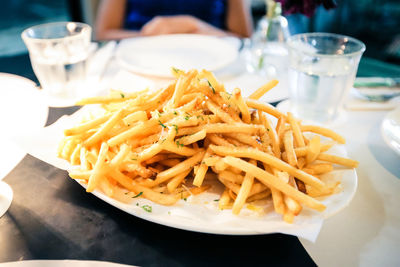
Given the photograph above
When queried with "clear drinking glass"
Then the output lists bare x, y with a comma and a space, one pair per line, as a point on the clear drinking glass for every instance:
322, 69
58, 53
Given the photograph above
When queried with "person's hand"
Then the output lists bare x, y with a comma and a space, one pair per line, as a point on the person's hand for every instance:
178, 24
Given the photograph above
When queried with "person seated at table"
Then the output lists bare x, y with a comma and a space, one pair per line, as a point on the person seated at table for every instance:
128, 18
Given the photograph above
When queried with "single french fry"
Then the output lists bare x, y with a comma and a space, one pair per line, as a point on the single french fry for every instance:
324, 131
106, 186
80, 174
262, 195
189, 139
75, 155
174, 183
280, 127
243, 192
98, 170
319, 168
263, 90
247, 139
107, 99
181, 85
181, 167
289, 149
238, 99
179, 148
231, 177
314, 148
301, 162
85, 165
83, 127
224, 116
201, 172
121, 155
224, 128
271, 133
218, 140
148, 127
170, 162
135, 116
293, 207
212, 160
297, 134
105, 128
268, 108
338, 160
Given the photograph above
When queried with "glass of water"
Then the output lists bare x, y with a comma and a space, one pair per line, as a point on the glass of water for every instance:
322, 69
58, 53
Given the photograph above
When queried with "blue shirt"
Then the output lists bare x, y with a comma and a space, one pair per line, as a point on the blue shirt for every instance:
139, 12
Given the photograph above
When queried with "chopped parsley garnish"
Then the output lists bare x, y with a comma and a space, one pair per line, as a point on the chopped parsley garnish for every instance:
122, 95
176, 127
176, 70
187, 117
162, 125
137, 204
147, 208
212, 87
175, 113
133, 159
138, 195
185, 199
216, 200
179, 144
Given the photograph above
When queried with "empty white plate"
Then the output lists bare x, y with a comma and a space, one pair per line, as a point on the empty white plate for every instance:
156, 55
22, 109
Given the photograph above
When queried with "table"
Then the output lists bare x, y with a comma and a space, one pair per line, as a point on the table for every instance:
51, 217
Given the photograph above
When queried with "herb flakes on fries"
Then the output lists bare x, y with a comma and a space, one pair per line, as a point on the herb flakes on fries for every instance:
166, 145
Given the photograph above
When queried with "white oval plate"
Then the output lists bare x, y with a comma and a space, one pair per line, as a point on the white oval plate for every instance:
22, 110
390, 130
156, 55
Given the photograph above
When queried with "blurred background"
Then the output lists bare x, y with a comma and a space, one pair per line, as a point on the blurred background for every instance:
375, 22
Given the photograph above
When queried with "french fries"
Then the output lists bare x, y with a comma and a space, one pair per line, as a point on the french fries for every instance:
167, 145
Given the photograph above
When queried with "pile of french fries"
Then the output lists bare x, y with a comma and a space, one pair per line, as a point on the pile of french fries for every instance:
166, 146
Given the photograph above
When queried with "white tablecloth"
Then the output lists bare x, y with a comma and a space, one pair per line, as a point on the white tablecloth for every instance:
367, 233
